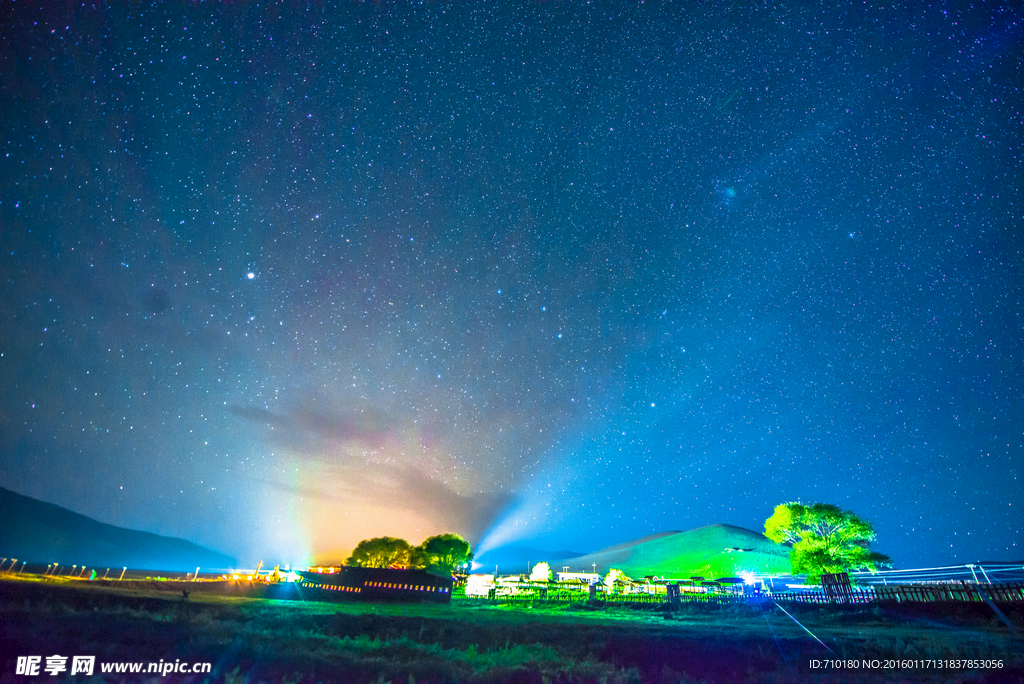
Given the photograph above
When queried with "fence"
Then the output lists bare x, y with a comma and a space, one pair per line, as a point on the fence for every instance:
920, 593
854, 595
1004, 592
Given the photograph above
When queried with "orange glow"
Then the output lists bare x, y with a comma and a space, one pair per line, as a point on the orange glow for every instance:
369, 482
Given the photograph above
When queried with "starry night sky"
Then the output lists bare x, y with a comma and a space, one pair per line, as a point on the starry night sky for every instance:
278, 278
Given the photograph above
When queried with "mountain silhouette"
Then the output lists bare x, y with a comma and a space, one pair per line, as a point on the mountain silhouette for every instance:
40, 532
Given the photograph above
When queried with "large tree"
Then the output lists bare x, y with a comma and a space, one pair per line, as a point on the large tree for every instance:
443, 553
381, 552
541, 572
824, 539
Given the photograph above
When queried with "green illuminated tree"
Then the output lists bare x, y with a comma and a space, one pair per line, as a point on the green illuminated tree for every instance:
824, 539
443, 554
381, 552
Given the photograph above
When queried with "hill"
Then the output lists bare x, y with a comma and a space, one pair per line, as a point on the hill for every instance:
710, 551
40, 532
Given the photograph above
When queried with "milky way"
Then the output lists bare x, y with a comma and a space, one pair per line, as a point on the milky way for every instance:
277, 279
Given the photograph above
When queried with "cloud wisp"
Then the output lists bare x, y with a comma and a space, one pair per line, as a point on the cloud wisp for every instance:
351, 475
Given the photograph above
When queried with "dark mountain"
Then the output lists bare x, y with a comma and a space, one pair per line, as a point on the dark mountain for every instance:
40, 532
516, 559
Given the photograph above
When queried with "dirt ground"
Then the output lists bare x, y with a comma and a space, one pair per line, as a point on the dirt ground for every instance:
246, 638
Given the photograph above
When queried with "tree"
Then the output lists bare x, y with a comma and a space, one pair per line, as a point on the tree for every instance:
541, 572
442, 553
381, 552
616, 580
824, 539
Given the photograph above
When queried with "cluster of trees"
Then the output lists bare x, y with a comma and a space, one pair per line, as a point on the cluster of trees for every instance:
824, 539
442, 554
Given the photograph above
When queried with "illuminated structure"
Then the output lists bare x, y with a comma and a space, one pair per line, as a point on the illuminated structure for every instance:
368, 584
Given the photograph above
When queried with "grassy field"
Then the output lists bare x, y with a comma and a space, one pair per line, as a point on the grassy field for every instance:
248, 639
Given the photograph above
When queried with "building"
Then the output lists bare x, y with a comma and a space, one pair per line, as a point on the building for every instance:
370, 584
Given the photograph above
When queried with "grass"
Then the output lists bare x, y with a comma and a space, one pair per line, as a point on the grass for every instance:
252, 640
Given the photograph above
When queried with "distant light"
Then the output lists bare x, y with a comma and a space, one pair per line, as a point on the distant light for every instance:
479, 585
250, 275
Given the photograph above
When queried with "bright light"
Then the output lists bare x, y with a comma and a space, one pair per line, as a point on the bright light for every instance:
479, 585
748, 577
